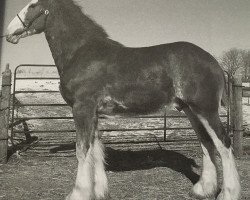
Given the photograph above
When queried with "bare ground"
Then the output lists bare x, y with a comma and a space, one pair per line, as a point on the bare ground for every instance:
140, 174
154, 171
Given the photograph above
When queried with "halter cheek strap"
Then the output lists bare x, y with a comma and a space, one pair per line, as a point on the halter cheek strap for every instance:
45, 12
24, 25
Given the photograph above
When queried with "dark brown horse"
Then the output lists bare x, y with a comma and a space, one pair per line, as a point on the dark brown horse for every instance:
99, 75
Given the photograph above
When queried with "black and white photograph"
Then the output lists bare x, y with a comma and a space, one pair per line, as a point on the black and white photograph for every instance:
124, 99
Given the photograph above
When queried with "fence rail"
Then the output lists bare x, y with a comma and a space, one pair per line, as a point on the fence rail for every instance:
246, 92
15, 121
164, 117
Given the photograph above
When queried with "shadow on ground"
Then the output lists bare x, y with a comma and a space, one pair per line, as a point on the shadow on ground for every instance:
124, 160
119, 160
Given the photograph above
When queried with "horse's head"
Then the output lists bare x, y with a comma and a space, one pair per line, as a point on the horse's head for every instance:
31, 20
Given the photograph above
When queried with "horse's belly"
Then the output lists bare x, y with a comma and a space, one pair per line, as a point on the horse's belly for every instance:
135, 102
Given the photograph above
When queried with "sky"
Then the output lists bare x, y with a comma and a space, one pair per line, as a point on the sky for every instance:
214, 25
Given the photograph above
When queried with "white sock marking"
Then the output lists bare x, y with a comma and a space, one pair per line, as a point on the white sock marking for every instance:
84, 181
209, 169
231, 183
207, 185
101, 182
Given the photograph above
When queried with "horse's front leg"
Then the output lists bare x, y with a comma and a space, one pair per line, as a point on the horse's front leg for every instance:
101, 181
85, 118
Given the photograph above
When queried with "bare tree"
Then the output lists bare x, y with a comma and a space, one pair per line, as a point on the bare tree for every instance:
232, 61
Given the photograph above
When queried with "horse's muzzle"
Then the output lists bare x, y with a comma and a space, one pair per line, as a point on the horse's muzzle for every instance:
14, 39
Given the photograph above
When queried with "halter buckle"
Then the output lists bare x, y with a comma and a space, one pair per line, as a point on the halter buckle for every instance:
46, 12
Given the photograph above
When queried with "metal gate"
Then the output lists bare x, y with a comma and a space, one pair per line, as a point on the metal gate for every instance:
162, 130
246, 102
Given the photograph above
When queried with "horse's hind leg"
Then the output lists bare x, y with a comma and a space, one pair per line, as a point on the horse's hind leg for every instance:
207, 184
212, 134
231, 184
85, 122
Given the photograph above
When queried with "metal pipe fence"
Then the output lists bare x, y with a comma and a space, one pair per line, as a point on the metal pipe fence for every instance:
15, 120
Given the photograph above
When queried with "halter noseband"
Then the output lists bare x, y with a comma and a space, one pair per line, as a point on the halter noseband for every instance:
42, 11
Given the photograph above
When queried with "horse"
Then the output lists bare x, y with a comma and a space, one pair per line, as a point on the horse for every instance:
101, 76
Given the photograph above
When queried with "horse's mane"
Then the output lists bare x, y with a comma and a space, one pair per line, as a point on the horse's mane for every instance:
77, 18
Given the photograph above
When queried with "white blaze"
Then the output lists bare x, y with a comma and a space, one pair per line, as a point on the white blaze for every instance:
16, 23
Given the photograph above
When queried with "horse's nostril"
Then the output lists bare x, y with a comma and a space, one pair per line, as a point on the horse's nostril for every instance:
8, 37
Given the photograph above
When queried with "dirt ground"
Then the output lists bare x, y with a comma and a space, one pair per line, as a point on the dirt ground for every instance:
150, 174
156, 171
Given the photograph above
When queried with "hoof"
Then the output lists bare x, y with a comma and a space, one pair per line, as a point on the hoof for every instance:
231, 191
68, 197
107, 197
203, 191
73, 196
78, 195
227, 195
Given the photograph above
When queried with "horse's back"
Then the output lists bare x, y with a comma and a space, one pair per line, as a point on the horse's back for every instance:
178, 69
146, 78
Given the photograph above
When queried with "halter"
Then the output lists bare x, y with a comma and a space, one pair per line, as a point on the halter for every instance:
42, 11
24, 25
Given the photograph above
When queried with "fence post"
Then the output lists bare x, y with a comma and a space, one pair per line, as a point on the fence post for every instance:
230, 106
4, 113
165, 124
237, 115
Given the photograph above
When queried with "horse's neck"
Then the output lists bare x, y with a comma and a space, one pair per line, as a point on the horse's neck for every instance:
63, 47
65, 36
